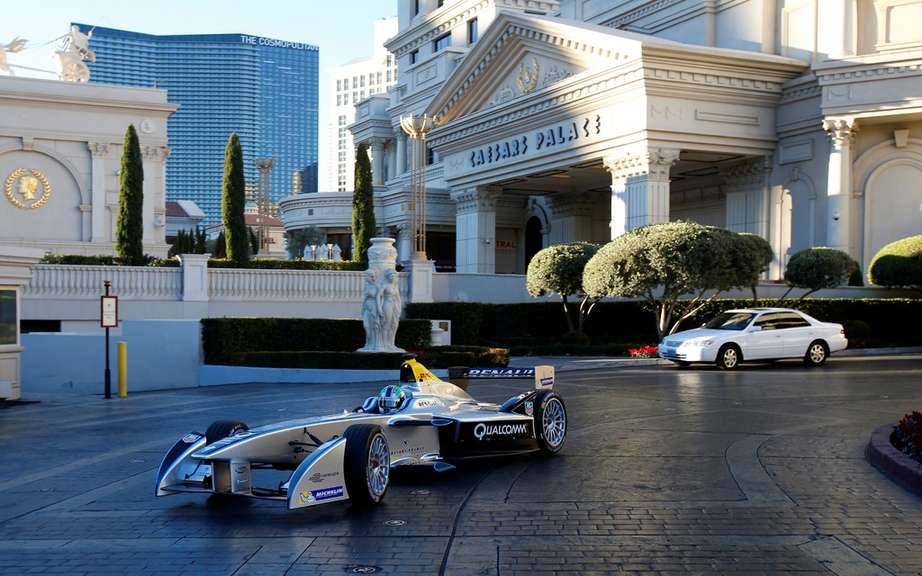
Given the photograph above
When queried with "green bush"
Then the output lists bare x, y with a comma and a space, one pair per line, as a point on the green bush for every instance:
260, 264
225, 338
898, 264
528, 325
470, 356
81, 260
322, 359
558, 269
466, 318
817, 268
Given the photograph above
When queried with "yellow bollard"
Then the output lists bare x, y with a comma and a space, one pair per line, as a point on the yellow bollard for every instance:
122, 369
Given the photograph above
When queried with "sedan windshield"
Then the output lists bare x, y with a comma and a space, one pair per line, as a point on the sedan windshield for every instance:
730, 321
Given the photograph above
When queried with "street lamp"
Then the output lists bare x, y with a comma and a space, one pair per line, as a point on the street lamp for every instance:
417, 127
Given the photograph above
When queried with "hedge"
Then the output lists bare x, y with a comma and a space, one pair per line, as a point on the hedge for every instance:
223, 339
873, 322
898, 264
438, 357
82, 260
322, 359
256, 264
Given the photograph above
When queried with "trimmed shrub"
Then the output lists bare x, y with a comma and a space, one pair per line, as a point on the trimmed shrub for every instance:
529, 325
558, 269
898, 264
817, 268
323, 359
470, 356
81, 260
466, 318
223, 339
260, 264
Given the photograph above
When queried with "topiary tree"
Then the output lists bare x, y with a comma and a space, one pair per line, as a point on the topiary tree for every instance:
671, 266
233, 200
363, 206
898, 264
753, 255
129, 229
817, 268
558, 269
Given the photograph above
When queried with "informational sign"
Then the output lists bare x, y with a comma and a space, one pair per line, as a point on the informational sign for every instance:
108, 316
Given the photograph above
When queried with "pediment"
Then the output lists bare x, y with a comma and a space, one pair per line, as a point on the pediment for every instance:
521, 54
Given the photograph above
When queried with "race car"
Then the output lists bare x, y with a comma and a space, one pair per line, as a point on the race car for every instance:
422, 421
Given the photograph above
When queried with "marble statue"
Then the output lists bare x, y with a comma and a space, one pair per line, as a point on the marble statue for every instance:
70, 57
381, 305
13, 47
337, 253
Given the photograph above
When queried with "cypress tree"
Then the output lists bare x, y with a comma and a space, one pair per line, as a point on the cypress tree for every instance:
200, 247
363, 206
233, 200
254, 240
129, 230
220, 247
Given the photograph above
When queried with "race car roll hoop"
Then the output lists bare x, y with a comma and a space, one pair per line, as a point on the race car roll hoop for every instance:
420, 421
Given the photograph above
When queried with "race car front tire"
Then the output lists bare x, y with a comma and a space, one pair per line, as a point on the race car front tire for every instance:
366, 464
550, 421
222, 429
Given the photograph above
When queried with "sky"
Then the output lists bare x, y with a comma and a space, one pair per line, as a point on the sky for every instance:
342, 29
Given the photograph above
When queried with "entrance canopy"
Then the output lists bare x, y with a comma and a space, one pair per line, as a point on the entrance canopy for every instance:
537, 93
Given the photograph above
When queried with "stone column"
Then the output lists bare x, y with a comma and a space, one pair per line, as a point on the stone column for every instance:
377, 161
748, 193
404, 242
475, 229
839, 184
401, 154
154, 209
640, 187
98, 230
392, 159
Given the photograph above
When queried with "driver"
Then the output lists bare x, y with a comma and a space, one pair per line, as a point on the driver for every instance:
392, 398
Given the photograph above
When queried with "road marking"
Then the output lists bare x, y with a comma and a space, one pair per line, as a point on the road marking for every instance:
841, 559
751, 477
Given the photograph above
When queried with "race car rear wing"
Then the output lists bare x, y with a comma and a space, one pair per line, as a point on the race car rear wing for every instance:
543, 376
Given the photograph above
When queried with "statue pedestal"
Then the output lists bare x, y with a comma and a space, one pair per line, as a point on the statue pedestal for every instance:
421, 271
381, 305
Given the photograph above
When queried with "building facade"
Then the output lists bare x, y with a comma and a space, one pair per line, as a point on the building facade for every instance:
60, 151
350, 84
798, 120
265, 90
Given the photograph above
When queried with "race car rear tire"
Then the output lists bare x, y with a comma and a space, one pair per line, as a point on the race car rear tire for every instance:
222, 429
550, 421
367, 464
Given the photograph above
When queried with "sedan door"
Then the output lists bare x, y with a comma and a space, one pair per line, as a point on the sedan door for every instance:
764, 341
796, 333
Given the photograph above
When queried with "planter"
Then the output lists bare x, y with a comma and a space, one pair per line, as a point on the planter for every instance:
894, 464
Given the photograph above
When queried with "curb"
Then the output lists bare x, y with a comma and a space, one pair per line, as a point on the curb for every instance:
892, 351
892, 463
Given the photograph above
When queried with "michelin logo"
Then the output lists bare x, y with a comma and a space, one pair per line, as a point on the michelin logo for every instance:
482, 430
322, 494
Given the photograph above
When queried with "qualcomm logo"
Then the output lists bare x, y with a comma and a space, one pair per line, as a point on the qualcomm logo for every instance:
482, 430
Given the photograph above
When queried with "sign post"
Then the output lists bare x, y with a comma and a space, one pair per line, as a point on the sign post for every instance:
108, 318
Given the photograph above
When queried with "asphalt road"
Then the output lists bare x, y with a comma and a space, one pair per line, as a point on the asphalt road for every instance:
665, 471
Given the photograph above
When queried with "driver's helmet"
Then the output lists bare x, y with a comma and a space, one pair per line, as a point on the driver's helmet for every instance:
392, 398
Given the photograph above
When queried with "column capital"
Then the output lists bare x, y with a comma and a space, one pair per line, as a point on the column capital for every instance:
156, 153
377, 142
652, 162
841, 130
476, 198
749, 172
98, 149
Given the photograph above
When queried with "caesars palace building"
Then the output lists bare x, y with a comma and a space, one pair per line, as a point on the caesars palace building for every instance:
798, 120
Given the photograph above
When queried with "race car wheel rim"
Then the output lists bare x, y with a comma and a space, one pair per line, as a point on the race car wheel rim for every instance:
554, 422
730, 358
817, 353
379, 466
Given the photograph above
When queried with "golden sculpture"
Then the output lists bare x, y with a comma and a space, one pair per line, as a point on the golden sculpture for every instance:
27, 188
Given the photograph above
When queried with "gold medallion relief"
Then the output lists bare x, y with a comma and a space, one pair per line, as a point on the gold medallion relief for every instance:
27, 188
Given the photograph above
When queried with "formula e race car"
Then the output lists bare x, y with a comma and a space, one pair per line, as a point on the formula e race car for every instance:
423, 421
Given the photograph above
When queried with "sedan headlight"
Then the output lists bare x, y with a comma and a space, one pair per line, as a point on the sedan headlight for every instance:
699, 343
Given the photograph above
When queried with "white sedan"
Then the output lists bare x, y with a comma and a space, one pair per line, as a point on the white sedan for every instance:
735, 336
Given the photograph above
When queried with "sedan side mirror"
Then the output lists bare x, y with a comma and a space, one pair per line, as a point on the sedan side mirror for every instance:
755, 329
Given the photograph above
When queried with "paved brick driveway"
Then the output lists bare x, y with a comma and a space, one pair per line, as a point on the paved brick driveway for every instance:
665, 471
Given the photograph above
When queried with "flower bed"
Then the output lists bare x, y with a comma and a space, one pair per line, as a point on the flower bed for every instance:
644, 352
907, 436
